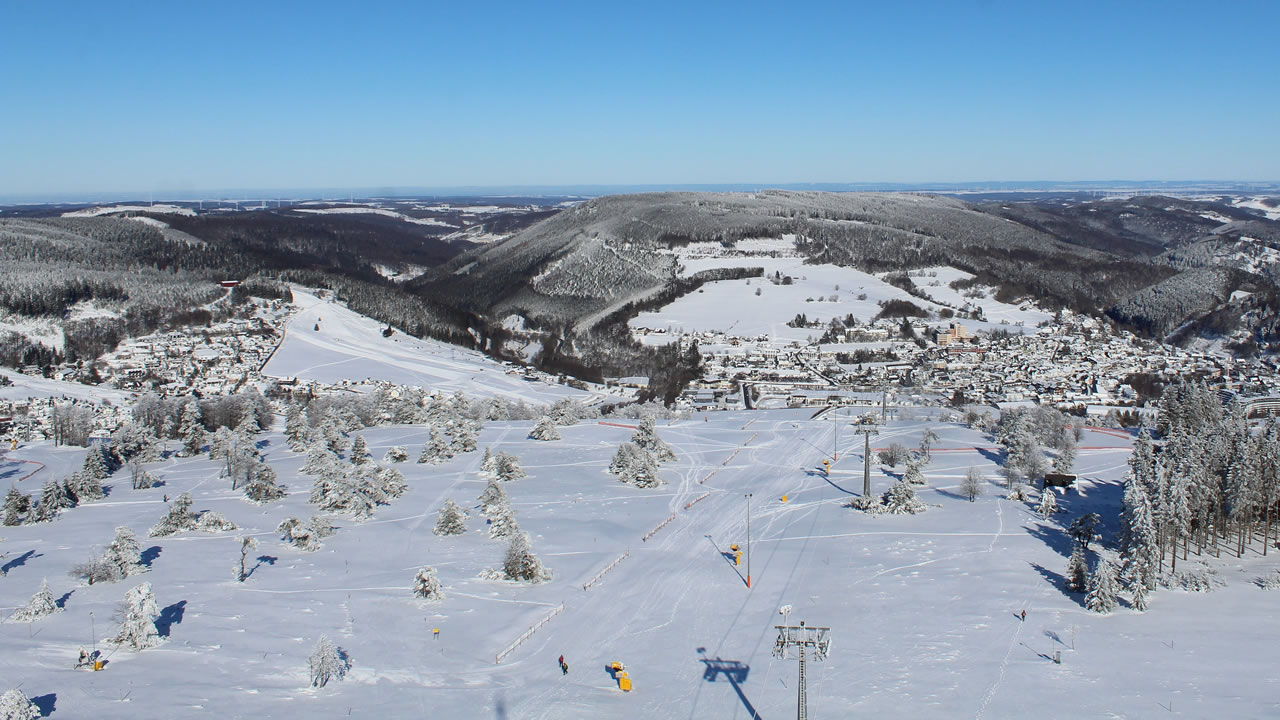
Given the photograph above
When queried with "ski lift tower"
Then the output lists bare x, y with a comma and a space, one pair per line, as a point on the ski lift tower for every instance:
802, 638
867, 430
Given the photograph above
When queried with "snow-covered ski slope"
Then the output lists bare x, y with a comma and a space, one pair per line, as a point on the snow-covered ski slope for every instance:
922, 608
350, 346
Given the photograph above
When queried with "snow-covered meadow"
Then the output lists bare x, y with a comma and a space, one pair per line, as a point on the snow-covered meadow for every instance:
923, 609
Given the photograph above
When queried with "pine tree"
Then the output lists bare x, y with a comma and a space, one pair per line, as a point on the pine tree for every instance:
508, 468
124, 553
1140, 551
95, 463
1140, 597
1077, 570
41, 605
262, 486
502, 522
520, 562
82, 487
53, 498
451, 520
327, 662
912, 475
191, 429
138, 629
545, 429
359, 450
488, 463
427, 586
634, 465
901, 500
1048, 503
646, 437
331, 429
397, 454
14, 705
296, 431
1102, 589
492, 498
16, 506
178, 518
436, 450
1066, 458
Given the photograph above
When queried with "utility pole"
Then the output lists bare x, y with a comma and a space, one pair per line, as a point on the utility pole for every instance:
867, 431
802, 638
748, 541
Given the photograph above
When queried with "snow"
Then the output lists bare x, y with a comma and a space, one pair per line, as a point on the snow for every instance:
375, 211
114, 209
350, 346
923, 609
1255, 203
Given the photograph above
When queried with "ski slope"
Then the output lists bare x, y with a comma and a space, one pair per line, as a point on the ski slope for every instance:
350, 346
922, 608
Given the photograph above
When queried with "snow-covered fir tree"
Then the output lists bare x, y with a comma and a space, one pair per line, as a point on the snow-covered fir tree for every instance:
177, 519
53, 499
327, 662
14, 705
913, 475
1048, 503
521, 564
1140, 602
502, 522
296, 430
901, 500
331, 431
16, 507
634, 465
138, 628
95, 463
83, 487
507, 468
492, 498
1066, 458
437, 449
124, 553
359, 450
451, 520
191, 429
488, 463
462, 439
305, 536
42, 604
1077, 570
262, 485
646, 437
545, 429
1103, 588
1139, 551
319, 457
397, 454
427, 586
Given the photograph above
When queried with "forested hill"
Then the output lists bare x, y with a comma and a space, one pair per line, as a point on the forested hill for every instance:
1121, 258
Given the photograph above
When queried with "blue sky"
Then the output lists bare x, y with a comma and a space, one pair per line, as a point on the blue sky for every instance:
162, 97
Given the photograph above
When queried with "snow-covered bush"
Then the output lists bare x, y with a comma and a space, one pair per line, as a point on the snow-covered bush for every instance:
397, 454
436, 450
451, 520
305, 536
138, 625
14, 705
124, 553
508, 468
40, 605
521, 564
545, 429
426, 585
180, 518
327, 662
1269, 582
634, 465
210, 521
1194, 580
901, 500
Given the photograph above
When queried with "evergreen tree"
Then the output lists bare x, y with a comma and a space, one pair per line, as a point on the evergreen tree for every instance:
262, 486
331, 429
545, 429
359, 450
502, 522
427, 586
95, 463
191, 429
451, 520
488, 463
1048, 503
397, 454
138, 629
16, 507
1140, 551
436, 450
82, 487
124, 553
327, 662
41, 605
1066, 458
296, 431
53, 499
178, 518
912, 475
1102, 589
901, 500
492, 498
646, 437
508, 468
1077, 570
520, 562
1140, 602
14, 705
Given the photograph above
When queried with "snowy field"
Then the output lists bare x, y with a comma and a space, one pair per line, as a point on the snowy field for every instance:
350, 346
923, 609
817, 291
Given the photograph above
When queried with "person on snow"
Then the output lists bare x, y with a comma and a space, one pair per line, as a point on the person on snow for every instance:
564, 666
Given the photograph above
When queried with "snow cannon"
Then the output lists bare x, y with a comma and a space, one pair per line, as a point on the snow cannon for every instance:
617, 666
624, 681
783, 498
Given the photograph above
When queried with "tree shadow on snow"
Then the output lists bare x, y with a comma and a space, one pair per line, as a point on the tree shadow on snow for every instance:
150, 554
18, 561
62, 601
45, 703
1054, 537
950, 494
170, 616
1058, 581
992, 455
736, 673
262, 560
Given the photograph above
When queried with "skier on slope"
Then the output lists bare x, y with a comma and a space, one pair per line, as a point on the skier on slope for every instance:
564, 666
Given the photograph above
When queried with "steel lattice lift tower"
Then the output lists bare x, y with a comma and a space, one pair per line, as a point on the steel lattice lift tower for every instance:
802, 638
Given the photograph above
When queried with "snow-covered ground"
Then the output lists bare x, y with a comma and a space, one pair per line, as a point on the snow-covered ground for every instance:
375, 211
114, 209
350, 346
923, 609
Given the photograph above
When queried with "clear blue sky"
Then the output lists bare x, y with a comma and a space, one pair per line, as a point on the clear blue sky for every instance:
178, 96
